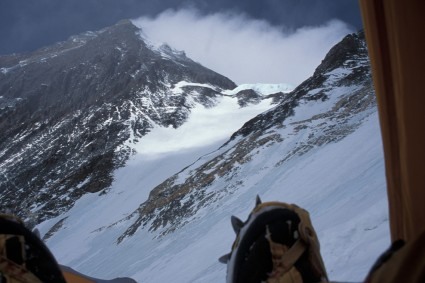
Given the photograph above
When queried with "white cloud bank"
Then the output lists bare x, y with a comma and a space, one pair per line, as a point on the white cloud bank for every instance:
243, 49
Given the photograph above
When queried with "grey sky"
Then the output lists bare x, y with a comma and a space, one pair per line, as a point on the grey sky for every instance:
249, 41
26, 25
244, 49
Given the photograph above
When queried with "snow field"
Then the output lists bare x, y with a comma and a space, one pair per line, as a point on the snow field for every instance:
341, 184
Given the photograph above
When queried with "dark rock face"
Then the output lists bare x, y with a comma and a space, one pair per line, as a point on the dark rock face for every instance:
345, 53
68, 113
341, 86
248, 96
350, 54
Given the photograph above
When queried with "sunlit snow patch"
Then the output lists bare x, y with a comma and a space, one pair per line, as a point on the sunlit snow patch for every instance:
205, 126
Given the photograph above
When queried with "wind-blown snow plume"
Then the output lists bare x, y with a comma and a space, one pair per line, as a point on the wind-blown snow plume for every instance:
242, 48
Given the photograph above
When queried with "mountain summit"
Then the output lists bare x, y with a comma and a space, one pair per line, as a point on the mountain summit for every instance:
130, 158
324, 109
71, 113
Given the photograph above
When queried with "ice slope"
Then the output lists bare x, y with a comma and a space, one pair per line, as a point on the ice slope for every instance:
162, 153
341, 184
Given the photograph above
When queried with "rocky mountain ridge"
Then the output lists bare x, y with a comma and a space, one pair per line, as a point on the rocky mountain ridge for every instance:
318, 147
70, 113
324, 109
165, 216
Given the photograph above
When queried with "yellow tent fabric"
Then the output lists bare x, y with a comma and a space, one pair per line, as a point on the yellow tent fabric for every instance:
75, 278
72, 276
395, 34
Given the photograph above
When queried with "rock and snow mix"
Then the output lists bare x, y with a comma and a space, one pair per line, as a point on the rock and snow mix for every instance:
193, 149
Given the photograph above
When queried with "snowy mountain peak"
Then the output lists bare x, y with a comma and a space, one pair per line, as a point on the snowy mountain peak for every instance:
169, 52
74, 112
324, 109
130, 157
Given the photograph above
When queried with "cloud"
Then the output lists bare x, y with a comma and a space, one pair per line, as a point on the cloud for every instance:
244, 49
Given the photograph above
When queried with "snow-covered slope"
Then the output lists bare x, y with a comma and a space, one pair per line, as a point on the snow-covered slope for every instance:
71, 113
166, 215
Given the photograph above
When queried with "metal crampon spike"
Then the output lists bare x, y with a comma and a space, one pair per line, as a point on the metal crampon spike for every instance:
237, 224
257, 200
224, 259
